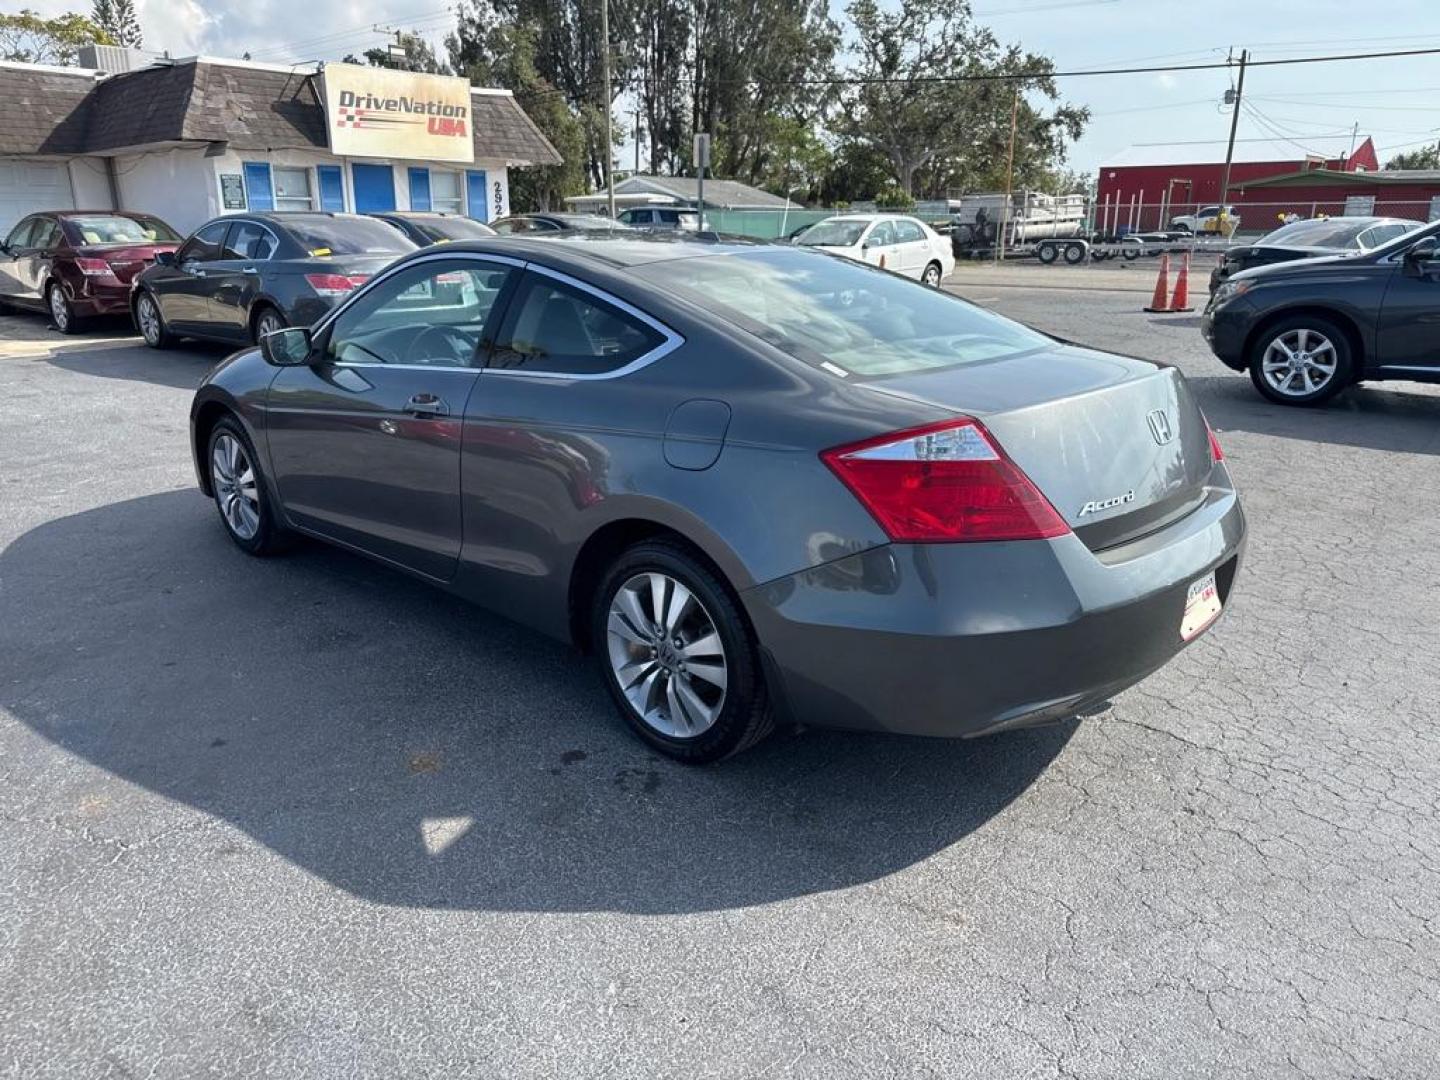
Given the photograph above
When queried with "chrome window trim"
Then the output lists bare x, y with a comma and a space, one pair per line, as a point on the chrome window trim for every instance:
672, 340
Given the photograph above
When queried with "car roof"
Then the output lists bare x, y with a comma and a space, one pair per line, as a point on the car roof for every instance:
877, 216
633, 248
411, 214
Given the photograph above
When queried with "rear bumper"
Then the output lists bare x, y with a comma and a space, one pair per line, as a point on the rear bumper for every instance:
968, 639
93, 298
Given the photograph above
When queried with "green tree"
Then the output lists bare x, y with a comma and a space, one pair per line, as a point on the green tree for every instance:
491, 51
28, 38
419, 56
933, 92
118, 19
1427, 157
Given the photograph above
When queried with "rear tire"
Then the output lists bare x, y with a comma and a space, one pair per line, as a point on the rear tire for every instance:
151, 323
1302, 360
1047, 253
657, 594
1074, 254
932, 275
62, 312
267, 321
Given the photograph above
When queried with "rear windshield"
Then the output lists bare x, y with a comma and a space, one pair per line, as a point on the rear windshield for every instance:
347, 236
832, 234
1317, 233
456, 228
847, 318
114, 229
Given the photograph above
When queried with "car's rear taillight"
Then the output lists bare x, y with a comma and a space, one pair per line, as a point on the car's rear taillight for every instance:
944, 483
94, 267
1216, 454
336, 284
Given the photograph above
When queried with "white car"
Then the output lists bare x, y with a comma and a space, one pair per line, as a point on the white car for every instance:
1207, 220
896, 242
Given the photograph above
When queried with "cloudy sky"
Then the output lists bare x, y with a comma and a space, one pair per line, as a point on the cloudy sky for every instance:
1395, 100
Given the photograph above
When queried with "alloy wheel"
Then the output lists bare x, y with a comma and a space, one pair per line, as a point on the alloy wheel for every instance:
666, 655
932, 276
1299, 363
149, 318
236, 492
59, 310
268, 323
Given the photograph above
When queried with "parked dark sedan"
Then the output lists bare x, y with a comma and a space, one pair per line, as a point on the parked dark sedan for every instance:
243, 276
1309, 240
423, 228
557, 223
77, 263
756, 505
1307, 330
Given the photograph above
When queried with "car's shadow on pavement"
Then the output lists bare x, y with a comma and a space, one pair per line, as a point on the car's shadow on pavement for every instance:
416, 751
1392, 417
181, 367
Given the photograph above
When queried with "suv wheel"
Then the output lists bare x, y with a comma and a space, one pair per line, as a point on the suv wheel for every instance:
1304, 360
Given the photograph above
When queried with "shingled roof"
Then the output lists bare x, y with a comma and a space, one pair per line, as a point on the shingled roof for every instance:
46, 109
251, 107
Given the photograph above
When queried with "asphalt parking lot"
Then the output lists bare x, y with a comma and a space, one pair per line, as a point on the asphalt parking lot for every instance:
304, 817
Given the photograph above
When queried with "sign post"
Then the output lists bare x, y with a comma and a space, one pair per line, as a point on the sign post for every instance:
701, 153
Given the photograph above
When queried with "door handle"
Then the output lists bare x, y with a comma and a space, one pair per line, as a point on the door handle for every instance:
426, 405
250, 270
198, 272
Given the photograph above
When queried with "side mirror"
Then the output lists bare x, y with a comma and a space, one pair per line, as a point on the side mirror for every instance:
165, 258
1420, 254
287, 348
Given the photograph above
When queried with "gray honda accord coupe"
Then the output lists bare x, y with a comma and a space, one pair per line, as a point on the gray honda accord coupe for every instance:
761, 484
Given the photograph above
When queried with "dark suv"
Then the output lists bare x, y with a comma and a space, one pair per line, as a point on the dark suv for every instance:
1307, 330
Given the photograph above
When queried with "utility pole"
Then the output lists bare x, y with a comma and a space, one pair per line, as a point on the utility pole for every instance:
637, 141
1230, 148
605, 65
1009, 177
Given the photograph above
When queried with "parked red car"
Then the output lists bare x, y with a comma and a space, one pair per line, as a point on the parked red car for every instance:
77, 263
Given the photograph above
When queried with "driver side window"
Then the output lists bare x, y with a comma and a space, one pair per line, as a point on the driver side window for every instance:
20, 235
204, 246
432, 314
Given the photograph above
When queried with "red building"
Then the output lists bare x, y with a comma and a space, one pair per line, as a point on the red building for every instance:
1150, 183
1413, 194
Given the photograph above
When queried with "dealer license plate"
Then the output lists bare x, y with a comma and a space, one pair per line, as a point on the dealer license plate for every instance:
1202, 607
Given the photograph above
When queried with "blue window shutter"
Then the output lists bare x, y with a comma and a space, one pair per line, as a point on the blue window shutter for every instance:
332, 188
374, 187
476, 197
259, 194
419, 189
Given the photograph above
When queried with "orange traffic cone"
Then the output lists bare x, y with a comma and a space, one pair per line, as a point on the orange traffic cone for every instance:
1181, 299
1160, 302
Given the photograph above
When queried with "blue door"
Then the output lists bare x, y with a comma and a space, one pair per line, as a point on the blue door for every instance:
374, 187
419, 189
258, 192
476, 196
332, 188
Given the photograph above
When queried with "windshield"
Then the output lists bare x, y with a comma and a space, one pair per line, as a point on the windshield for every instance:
114, 229
452, 228
347, 236
832, 234
1332, 233
844, 317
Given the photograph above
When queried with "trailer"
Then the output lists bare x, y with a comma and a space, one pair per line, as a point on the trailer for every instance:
983, 221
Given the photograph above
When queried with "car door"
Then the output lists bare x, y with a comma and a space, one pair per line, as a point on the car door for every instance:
913, 247
1409, 333
17, 247
32, 265
878, 247
183, 289
365, 441
235, 278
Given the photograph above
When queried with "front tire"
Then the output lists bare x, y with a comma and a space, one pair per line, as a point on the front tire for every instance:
62, 312
240, 492
1302, 360
151, 322
678, 656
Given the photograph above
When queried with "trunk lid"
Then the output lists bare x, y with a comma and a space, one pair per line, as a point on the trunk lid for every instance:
126, 260
1118, 445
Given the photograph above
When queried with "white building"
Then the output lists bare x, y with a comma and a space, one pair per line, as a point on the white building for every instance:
191, 139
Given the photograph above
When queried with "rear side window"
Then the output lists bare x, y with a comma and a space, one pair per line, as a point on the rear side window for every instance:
907, 232
249, 241
552, 327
